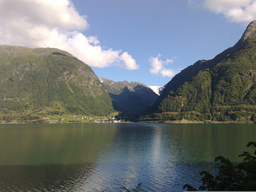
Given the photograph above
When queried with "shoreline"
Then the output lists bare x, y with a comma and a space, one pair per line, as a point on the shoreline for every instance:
156, 122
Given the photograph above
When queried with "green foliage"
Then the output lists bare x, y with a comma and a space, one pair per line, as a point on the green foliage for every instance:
74, 121
49, 81
194, 95
241, 177
220, 89
32, 119
253, 118
13, 117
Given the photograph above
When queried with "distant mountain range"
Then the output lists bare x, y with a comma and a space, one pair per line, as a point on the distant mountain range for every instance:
220, 89
131, 97
45, 81
48, 81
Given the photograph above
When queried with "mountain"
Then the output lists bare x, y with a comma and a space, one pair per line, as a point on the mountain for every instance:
157, 89
48, 81
129, 97
220, 89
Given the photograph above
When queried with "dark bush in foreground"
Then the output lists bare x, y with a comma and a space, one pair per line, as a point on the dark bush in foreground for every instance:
241, 177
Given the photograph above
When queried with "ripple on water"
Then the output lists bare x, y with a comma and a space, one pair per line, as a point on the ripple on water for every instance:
42, 177
161, 157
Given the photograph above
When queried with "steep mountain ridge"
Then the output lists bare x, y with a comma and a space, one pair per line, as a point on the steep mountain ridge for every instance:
192, 70
130, 97
222, 88
48, 81
249, 33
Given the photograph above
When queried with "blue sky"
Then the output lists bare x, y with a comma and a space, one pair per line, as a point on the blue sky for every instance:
135, 40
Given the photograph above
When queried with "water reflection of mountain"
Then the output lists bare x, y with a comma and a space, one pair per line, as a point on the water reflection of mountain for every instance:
202, 143
50, 157
53, 144
96, 157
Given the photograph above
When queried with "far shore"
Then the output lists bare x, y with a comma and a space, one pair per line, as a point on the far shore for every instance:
183, 121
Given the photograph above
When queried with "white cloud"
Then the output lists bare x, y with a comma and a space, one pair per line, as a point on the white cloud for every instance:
167, 72
129, 61
239, 11
47, 23
158, 66
93, 55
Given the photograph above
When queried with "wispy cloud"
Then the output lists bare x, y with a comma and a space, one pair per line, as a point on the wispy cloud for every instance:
47, 23
158, 66
239, 11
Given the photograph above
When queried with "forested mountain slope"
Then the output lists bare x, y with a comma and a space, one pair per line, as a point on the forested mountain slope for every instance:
220, 89
48, 81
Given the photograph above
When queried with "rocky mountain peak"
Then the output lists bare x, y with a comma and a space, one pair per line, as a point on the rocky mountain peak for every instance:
249, 33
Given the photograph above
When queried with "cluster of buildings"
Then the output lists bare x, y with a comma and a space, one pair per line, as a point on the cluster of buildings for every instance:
87, 118
107, 121
100, 119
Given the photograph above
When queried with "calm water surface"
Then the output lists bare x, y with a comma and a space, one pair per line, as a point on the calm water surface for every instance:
96, 157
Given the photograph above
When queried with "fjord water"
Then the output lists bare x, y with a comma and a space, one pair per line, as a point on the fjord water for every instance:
97, 157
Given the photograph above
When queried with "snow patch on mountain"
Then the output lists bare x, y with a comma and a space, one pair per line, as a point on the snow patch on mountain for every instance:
157, 89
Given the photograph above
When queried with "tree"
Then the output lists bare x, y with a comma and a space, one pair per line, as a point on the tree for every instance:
241, 177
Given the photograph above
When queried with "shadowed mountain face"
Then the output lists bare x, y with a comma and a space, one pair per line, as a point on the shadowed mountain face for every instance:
222, 88
129, 97
48, 81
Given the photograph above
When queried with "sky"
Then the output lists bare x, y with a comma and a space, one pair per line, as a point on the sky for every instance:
134, 40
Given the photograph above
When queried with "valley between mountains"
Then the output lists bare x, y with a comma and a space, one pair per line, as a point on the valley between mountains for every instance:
50, 85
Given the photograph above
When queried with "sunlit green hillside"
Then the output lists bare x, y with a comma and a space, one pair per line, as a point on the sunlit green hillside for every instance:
47, 81
221, 89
